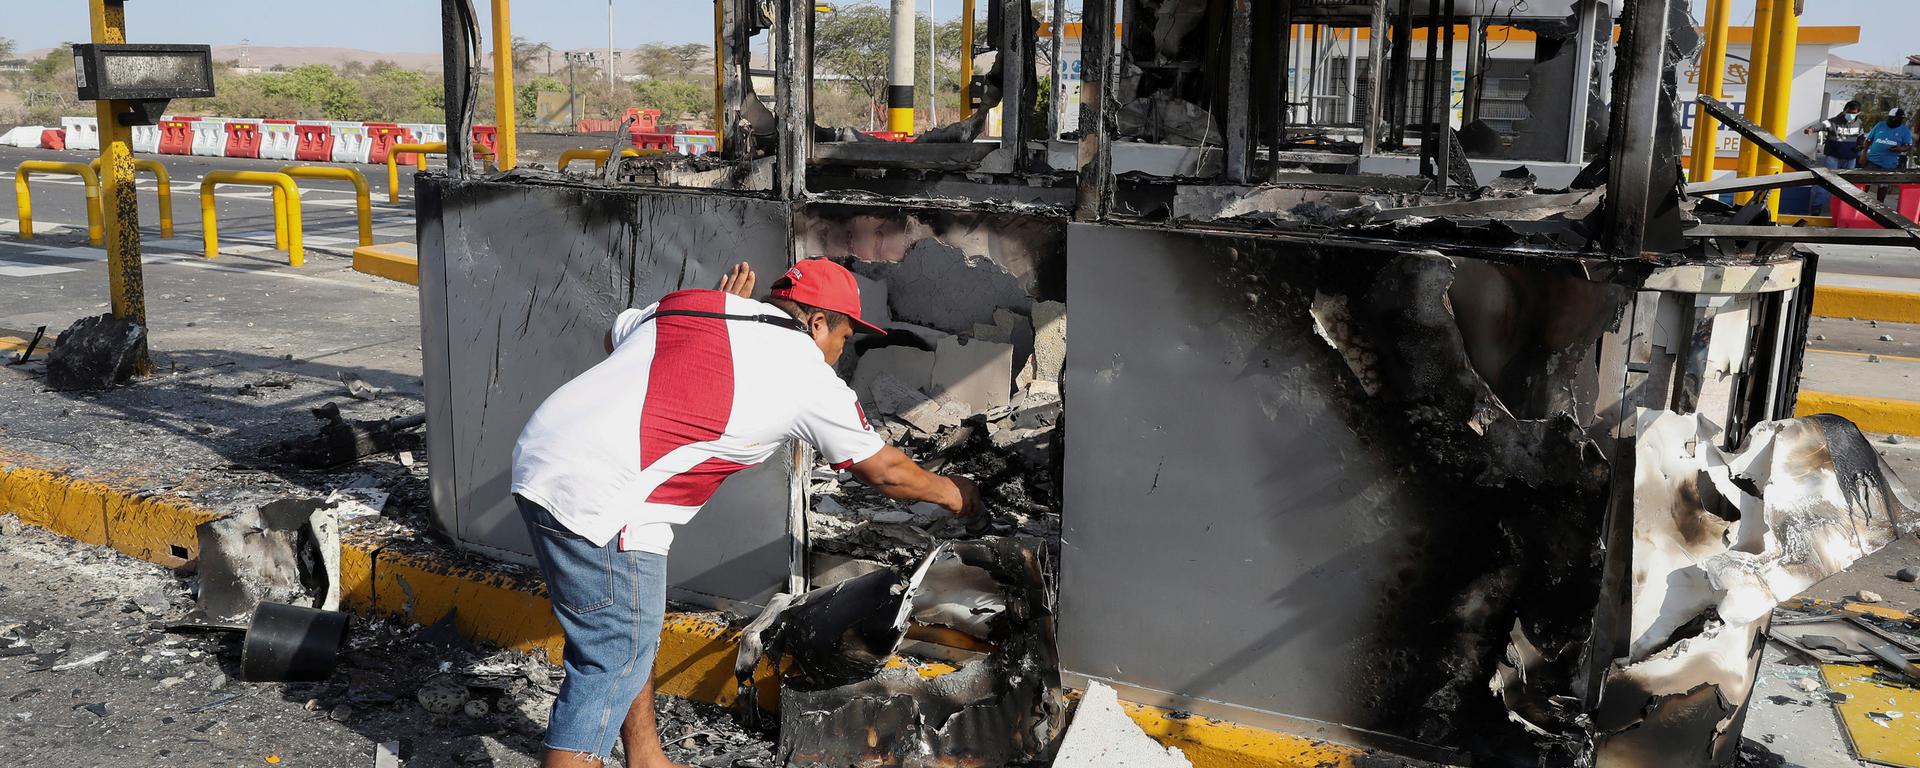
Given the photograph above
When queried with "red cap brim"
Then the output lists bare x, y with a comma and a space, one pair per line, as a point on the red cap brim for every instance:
862, 326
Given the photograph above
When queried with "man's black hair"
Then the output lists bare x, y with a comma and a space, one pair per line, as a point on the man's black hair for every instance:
800, 311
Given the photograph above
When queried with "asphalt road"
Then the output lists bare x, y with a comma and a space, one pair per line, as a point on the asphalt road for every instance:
245, 212
248, 300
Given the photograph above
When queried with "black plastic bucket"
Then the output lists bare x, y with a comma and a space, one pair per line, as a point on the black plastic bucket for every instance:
290, 642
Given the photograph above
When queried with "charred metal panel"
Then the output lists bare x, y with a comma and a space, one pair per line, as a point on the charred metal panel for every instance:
1301, 446
518, 290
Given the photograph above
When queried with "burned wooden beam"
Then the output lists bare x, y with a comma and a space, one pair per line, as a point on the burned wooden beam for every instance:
1846, 192
1239, 125
793, 71
1635, 176
1098, 115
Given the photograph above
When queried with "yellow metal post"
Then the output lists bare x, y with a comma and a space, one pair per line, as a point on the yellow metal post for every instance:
120, 210
719, 76
22, 192
287, 209
504, 102
1713, 70
966, 55
362, 202
1785, 31
1756, 86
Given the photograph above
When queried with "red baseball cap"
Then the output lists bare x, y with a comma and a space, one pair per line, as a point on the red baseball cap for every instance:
824, 284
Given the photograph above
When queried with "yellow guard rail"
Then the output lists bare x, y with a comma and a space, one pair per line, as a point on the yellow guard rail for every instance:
23, 194
165, 189
286, 218
362, 197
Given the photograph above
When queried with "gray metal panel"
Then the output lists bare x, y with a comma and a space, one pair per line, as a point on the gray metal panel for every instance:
534, 277
1293, 483
431, 252
1208, 479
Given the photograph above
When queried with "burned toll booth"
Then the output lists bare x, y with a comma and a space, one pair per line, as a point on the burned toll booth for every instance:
1393, 414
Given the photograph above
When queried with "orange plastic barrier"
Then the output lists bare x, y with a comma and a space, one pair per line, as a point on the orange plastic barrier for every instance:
644, 120
176, 136
662, 141
243, 140
1848, 217
316, 142
53, 138
485, 137
381, 137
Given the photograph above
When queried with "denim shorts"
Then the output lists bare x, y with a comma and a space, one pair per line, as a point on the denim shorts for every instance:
610, 605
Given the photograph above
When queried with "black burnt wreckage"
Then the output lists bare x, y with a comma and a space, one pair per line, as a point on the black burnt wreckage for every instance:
1456, 444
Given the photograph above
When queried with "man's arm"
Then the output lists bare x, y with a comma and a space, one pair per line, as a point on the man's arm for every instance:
895, 475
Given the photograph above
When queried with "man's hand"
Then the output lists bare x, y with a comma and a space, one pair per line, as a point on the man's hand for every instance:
897, 477
739, 281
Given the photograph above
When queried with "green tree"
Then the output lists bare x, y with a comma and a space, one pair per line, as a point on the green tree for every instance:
679, 100
6, 47
854, 45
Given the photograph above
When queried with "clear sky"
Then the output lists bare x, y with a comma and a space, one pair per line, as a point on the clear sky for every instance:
1886, 35
377, 25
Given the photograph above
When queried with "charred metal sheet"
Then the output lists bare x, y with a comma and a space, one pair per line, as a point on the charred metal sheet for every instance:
1381, 475
1825, 177
287, 551
1642, 208
840, 707
1765, 233
1720, 537
519, 282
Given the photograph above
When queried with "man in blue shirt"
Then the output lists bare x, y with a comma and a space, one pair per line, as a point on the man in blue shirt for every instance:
1890, 141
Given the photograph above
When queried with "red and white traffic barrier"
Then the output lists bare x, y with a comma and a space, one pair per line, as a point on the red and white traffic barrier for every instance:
81, 132
210, 137
350, 142
278, 140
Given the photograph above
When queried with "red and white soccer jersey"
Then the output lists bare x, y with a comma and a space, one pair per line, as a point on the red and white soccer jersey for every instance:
641, 441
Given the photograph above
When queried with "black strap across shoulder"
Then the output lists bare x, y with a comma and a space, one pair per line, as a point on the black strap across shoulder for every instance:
778, 322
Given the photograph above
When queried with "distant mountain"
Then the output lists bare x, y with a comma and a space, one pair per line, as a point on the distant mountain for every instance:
269, 56
1837, 65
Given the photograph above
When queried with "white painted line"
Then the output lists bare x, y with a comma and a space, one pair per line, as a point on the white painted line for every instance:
17, 269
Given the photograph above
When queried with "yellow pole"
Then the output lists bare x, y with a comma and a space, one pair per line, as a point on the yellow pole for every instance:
719, 77
1785, 31
966, 54
1713, 69
1759, 52
504, 103
120, 209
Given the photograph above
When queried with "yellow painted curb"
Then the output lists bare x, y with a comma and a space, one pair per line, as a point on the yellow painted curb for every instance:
1212, 743
1866, 304
376, 260
382, 578
1872, 414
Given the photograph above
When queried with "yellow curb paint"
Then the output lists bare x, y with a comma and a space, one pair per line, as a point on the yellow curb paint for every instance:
375, 260
154, 530
493, 605
1864, 354
356, 572
1872, 414
696, 652
1866, 304
1212, 743
76, 509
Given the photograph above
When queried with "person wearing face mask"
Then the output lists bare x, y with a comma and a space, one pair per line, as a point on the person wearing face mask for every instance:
1889, 142
1840, 147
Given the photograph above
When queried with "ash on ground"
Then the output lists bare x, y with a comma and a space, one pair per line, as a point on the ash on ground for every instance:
89, 674
1011, 453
